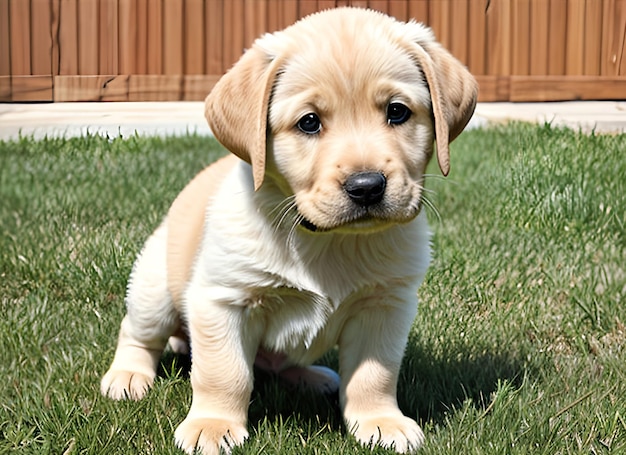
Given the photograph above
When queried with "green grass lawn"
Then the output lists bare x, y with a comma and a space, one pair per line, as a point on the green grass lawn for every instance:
519, 346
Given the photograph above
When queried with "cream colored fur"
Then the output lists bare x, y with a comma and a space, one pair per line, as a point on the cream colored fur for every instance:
236, 263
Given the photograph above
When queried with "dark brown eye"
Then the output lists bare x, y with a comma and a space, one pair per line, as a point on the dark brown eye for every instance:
310, 124
397, 113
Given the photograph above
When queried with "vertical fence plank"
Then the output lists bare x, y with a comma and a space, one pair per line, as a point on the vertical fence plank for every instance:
254, 21
557, 30
19, 39
214, 37
41, 38
613, 37
306, 7
154, 62
88, 37
499, 38
127, 37
477, 39
5, 39
520, 60
173, 37
233, 31
288, 13
68, 37
575, 38
5, 52
539, 11
620, 37
141, 63
418, 10
108, 38
379, 5
439, 21
459, 30
273, 13
194, 42
325, 4
592, 50
400, 10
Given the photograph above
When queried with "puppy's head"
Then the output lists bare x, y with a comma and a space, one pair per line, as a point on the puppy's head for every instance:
340, 111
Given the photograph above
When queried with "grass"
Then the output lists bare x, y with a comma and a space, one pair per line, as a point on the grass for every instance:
519, 346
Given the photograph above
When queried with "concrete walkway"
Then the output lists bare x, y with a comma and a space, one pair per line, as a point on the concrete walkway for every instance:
176, 118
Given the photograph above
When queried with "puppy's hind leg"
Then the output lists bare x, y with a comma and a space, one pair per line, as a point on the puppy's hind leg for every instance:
150, 320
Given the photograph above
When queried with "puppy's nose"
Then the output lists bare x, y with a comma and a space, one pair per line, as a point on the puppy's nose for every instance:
366, 188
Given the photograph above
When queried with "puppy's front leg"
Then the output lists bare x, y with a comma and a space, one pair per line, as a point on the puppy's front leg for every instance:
371, 348
223, 347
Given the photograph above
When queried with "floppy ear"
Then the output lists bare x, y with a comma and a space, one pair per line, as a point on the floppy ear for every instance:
236, 108
453, 91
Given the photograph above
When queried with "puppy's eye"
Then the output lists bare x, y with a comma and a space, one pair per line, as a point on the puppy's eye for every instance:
310, 124
397, 113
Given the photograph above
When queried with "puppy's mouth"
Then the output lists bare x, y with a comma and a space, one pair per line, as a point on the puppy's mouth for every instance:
365, 223
306, 224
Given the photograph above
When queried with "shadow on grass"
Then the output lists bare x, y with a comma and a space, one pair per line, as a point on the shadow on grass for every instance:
429, 388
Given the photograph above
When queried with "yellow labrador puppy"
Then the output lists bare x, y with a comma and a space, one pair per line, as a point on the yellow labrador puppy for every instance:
313, 237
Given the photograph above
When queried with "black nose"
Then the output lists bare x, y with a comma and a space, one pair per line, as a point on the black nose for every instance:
366, 188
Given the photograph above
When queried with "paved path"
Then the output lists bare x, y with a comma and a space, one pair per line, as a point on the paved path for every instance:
175, 118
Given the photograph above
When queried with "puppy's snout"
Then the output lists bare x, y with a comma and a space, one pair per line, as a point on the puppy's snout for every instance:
365, 188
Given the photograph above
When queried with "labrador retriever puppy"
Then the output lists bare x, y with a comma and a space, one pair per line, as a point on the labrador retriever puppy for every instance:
310, 235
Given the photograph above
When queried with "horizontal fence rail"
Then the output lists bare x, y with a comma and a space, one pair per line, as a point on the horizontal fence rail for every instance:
141, 50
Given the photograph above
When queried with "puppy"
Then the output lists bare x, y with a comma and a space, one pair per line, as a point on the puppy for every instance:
311, 235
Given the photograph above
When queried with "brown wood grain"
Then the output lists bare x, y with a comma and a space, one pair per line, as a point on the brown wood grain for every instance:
91, 88
41, 38
418, 10
5, 46
108, 37
498, 60
557, 35
127, 36
562, 88
613, 37
459, 30
173, 54
510, 46
233, 31
141, 24
5, 89
214, 36
68, 37
575, 37
539, 15
592, 46
88, 37
31, 88
19, 38
520, 60
194, 40
154, 61
477, 38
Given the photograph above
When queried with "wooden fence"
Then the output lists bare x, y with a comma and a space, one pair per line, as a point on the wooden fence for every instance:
125, 50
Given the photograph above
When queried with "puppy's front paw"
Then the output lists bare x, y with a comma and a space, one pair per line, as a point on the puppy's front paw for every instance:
122, 384
398, 432
209, 435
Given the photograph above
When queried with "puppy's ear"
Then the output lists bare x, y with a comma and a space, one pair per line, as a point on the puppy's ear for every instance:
237, 108
453, 91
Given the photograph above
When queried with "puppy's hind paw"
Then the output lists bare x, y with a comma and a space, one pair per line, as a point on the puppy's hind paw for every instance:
400, 433
121, 384
210, 436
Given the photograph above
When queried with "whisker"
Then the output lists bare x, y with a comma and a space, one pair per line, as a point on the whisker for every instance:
282, 211
292, 230
431, 206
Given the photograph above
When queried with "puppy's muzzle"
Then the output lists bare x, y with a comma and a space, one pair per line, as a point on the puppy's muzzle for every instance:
365, 188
